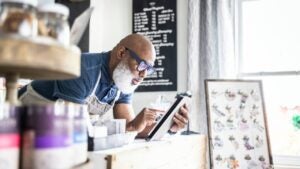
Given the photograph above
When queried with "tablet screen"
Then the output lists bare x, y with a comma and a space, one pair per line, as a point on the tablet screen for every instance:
165, 122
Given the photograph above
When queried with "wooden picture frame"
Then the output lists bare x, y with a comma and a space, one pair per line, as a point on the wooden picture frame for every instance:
238, 133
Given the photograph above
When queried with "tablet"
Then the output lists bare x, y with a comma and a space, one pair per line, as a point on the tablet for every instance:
166, 121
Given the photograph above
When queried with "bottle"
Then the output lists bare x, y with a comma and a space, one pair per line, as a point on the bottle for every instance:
53, 23
18, 17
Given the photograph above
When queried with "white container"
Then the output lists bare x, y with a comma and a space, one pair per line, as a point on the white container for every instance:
111, 141
53, 22
18, 17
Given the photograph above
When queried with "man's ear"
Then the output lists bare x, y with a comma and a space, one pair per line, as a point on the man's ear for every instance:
121, 52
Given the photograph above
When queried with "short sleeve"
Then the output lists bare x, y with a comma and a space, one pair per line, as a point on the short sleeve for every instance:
76, 90
124, 98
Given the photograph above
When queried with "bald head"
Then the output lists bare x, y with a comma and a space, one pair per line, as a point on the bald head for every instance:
140, 45
131, 50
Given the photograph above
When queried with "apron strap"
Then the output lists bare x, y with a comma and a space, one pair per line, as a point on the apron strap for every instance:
118, 95
97, 83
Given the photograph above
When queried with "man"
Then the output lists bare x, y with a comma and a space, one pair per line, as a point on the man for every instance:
108, 80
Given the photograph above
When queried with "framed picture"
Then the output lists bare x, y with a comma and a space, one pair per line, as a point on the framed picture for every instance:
238, 131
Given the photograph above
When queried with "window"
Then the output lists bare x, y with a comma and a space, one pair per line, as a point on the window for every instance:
268, 48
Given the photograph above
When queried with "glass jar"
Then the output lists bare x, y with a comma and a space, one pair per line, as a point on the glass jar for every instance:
18, 17
52, 22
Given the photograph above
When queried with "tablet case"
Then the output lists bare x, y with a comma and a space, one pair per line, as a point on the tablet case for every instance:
165, 123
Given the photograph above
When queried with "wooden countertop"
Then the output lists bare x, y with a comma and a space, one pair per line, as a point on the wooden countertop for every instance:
173, 152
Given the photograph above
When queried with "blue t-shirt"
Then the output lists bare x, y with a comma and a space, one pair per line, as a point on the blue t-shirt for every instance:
77, 90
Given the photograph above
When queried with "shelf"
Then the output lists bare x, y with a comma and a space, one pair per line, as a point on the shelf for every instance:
35, 58
38, 58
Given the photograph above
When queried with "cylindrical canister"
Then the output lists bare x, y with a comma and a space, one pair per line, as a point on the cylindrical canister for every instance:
9, 136
47, 137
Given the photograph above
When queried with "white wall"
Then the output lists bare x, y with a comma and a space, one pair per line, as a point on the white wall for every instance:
112, 20
45, 1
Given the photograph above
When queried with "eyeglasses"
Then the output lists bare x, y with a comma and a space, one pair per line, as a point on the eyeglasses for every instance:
142, 64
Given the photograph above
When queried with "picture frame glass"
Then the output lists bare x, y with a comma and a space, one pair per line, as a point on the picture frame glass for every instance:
237, 124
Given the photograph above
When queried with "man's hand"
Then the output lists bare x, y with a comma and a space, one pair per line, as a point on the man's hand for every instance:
145, 118
180, 119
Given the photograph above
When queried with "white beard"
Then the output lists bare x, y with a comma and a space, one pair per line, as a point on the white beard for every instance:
123, 77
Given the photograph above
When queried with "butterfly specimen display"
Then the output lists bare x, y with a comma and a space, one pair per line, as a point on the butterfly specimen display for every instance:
237, 124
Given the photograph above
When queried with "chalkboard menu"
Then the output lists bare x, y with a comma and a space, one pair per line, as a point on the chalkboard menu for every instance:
156, 19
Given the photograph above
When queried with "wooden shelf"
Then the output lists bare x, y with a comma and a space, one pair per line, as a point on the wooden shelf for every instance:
35, 58
38, 58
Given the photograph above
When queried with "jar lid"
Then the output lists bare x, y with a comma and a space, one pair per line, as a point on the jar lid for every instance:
55, 8
29, 2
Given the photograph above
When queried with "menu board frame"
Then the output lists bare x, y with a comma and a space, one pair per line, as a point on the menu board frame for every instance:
157, 19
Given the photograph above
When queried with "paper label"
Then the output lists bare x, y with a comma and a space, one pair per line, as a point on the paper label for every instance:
9, 141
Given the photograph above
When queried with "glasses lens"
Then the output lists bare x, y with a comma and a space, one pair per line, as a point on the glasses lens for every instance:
144, 66
150, 70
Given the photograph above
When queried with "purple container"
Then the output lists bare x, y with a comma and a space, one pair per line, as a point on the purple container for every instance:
53, 126
47, 137
9, 118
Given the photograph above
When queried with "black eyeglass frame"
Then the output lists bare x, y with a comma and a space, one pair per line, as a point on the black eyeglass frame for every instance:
142, 64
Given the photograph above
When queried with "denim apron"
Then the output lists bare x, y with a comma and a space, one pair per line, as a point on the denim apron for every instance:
30, 96
95, 106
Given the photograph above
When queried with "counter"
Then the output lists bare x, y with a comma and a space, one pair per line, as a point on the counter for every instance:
173, 152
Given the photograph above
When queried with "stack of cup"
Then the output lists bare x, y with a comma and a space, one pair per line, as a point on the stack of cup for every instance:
115, 126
